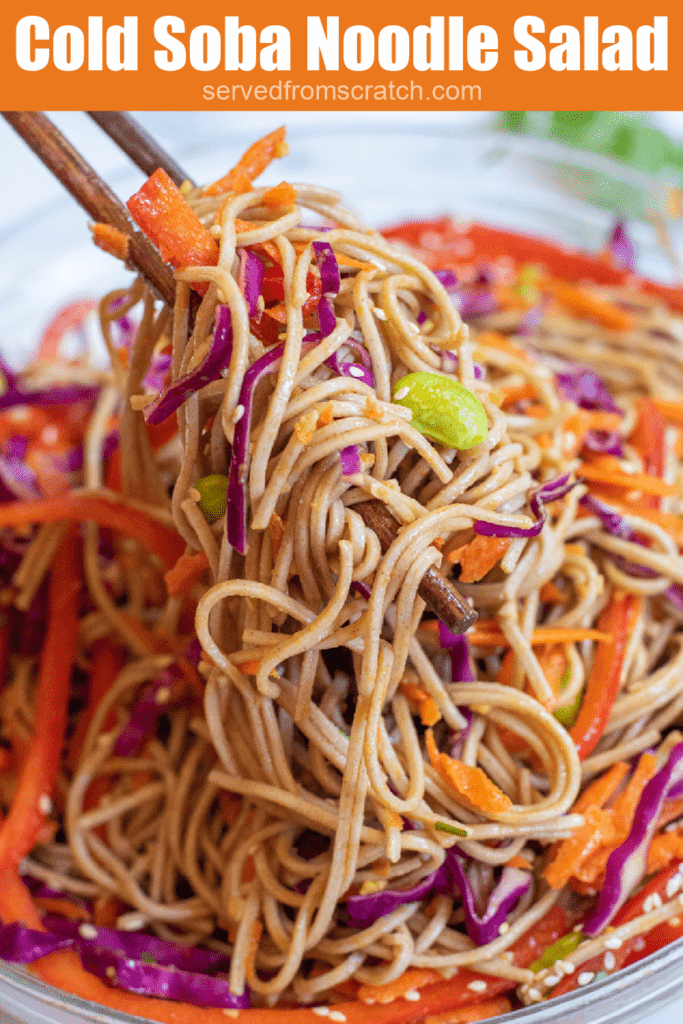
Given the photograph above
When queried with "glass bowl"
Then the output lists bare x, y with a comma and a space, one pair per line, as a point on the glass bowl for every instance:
388, 169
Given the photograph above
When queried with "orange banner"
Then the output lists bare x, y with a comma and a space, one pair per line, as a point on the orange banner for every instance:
381, 56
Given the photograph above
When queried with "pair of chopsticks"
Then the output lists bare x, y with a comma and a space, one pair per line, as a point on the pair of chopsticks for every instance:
97, 199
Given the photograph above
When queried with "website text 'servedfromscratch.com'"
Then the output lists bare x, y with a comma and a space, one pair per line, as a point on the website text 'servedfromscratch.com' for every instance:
388, 92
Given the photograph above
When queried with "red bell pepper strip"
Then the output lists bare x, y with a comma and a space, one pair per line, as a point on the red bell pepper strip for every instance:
31, 803
603, 684
159, 208
251, 164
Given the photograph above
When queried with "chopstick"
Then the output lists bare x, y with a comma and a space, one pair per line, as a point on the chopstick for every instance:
136, 142
96, 198
85, 185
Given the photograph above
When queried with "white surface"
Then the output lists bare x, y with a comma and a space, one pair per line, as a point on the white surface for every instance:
29, 189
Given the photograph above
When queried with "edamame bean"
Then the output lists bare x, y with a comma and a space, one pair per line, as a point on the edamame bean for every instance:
213, 496
443, 409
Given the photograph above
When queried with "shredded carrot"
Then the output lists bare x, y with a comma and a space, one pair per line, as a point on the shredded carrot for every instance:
249, 668
671, 810
283, 194
470, 1014
671, 411
553, 661
187, 571
669, 521
520, 862
577, 426
585, 304
251, 164
479, 556
550, 593
664, 848
601, 789
491, 339
426, 705
63, 907
605, 469
518, 393
413, 978
486, 633
597, 830
473, 786
111, 240
107, 910
326, 415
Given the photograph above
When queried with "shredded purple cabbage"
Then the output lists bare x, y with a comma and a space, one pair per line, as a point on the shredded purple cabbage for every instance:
448, 278
216, 360
250, 279
628, 863
583, 387
532, 319
550, 491
448, 879
479, 303
458, 646
350, 460
15, 393
22, 945
330, 280
621, 247
156, 374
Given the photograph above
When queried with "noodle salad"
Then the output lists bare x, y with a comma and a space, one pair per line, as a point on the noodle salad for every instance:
342, 620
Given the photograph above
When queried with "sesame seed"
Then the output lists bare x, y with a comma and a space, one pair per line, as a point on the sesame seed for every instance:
609, 961
674, 922
322, 1011
163, 695
504, 927
647, 904
673, 885
87, 931
680, 898
639, 944
613, 942
216, 230
656, 901
238, 414
680, 868
412, 995
477, 986
356, 371
45, 804
379, 313
586, 977
568, 967
535, 995
401, 394
550, 980
229, 1012
337, 1015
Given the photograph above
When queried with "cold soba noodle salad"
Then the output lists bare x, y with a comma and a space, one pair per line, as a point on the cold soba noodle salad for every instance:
256, 750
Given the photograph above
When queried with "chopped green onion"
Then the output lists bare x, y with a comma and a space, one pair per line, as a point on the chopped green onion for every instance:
527, 284
213, 496
443, 826
443, 409
567, 716
558, 951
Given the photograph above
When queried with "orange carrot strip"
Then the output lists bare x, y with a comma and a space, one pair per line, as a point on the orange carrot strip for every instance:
597, 830
187, 571
484, 636
491, 339
602, 789
604, 471
508, 396
550, 593
671, 411
427, 706
160, 209
663, 849
106, 661
252, 163
111, 240
473, 786
520, 862
470, 1014
283, 194
479, 556
249, 668
577, 426
63, 907
413, 978
105, 511
30, 808
587, 305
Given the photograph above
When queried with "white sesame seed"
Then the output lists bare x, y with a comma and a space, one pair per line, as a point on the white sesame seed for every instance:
261, 303
322, 1011
45, 804
656, 901
87, 931
412, 995
613, 942
163, 695
680, 898
401, 394
229, 1012
238, 414
535, 995
609, 961
680, 868
577, 928
379, 313
674, 922
647, 904
503, 928
568, 967
586, 977
337, 1015
356, 371
673, 885
550, 980
639, 944
477, 986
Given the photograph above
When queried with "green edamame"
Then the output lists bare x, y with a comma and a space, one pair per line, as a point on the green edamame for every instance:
443, 409
213, 496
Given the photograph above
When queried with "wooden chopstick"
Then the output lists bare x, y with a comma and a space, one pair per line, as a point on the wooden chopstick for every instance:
85, 185
93, 194
136, 142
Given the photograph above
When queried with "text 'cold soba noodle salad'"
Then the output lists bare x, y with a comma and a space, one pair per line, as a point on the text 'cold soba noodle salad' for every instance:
258, 757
